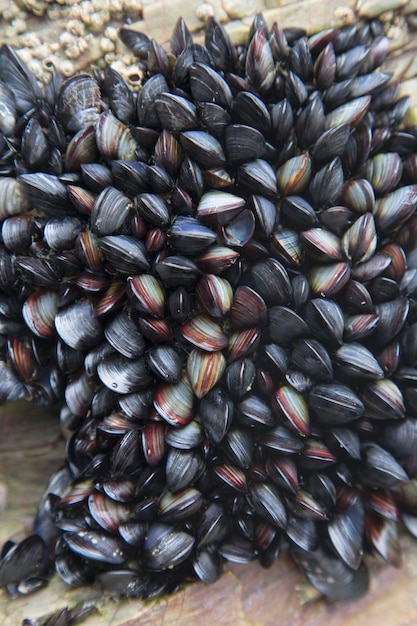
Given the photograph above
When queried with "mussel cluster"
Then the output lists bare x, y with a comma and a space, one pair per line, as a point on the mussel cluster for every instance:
217, 275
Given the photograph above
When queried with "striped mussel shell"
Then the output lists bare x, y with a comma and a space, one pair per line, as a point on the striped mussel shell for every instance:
79, 102
39, 312
204, 370
110, 212
13, 197
205, 333
114, 139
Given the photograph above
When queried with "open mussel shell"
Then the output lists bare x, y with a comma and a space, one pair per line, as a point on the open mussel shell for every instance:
239, 231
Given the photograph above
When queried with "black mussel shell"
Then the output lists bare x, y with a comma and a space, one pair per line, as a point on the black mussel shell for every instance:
214, 272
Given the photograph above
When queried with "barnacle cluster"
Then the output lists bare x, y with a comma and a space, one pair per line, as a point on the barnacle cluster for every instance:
216, 276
